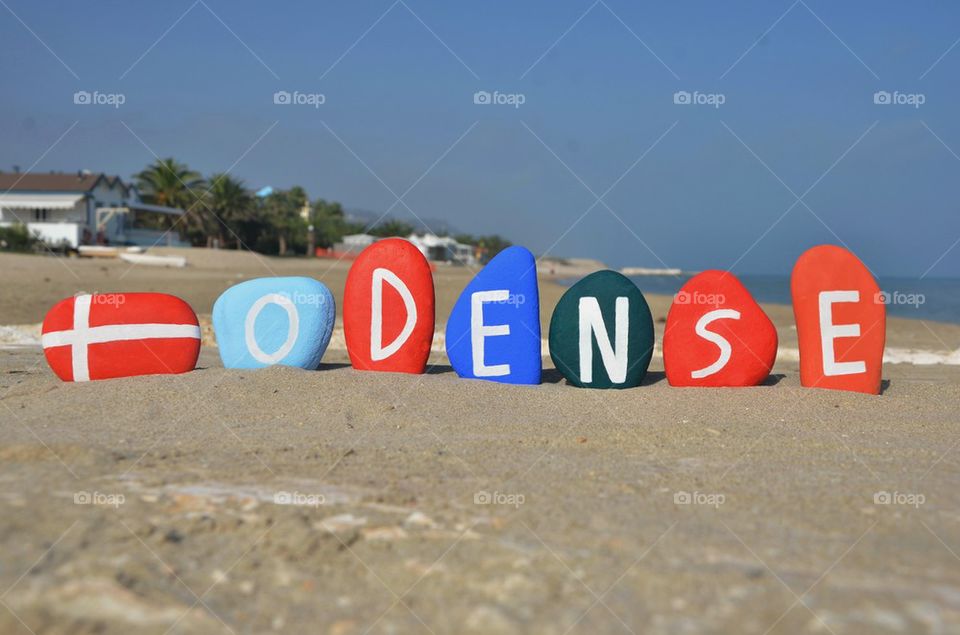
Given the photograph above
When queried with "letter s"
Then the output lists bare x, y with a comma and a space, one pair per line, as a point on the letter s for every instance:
720, 341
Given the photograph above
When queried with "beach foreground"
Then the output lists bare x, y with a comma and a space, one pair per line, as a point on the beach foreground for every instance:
346, 502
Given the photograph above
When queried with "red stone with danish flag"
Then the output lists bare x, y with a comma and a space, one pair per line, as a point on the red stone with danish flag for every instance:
109, 335
717, 335
388, 308
841, 321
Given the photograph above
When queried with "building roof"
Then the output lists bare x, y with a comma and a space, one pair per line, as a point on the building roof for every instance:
83, 181
46, 200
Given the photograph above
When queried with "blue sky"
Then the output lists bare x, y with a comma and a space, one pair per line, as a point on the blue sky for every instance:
797, 154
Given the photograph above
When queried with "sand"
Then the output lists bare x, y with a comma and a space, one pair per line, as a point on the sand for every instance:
344, 502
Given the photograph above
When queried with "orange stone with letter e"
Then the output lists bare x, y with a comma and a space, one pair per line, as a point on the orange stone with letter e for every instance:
388, 308
841, 321
717, 334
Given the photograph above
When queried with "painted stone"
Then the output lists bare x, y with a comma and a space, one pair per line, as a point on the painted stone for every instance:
109, 335
494, 329
269, 321
717, 335
601, 333
388, 308
841, 321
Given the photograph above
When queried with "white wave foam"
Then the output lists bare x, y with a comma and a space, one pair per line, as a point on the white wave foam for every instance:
894, 355
19, 335
919, 357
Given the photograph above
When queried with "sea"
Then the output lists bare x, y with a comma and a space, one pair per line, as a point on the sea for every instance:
935, 299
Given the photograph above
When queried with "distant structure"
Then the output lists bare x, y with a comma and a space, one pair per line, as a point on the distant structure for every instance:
649, 271
82, 208
443, 249
434, 248
355, 243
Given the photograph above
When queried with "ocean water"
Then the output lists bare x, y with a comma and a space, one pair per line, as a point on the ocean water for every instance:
936, 299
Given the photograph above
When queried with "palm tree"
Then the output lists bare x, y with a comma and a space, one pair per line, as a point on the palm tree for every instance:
172, 184
232, 204
282, 213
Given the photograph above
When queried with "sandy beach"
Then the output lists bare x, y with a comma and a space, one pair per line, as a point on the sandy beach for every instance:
344, 502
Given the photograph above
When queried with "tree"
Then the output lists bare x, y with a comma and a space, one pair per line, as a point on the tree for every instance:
329, 224
17, 237
232, 204
391, 227
277, 223
281, 211
170, 183
492, 245
489, 245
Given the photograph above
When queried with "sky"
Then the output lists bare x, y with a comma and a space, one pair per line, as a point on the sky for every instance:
694, 135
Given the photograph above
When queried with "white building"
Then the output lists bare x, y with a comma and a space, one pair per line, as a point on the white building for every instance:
66, 209
443, 249
434, 248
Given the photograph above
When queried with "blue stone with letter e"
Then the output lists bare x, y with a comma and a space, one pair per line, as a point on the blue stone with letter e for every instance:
270, 321
494, 329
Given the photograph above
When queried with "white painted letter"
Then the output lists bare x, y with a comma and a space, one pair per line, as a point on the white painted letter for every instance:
830, 331
719, 340
377, 351
478, 331
614, 360
292, 332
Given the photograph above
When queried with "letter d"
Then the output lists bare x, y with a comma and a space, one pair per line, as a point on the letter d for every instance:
377, 351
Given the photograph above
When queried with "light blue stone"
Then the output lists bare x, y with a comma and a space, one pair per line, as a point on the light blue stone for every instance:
503, 300
269, 321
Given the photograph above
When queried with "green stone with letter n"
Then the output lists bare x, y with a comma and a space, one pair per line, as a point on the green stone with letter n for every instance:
601, 332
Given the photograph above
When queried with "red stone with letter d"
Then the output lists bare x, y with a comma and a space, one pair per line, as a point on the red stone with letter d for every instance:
388, 308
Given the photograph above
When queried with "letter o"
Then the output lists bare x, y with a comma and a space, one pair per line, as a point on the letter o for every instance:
293, 330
